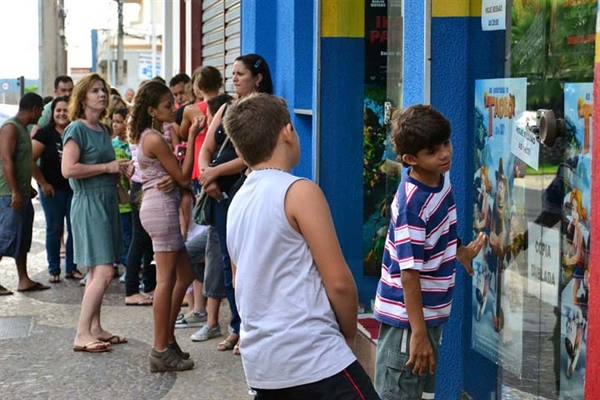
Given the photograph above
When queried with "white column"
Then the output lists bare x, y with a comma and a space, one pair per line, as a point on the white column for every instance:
188, 37
168, 43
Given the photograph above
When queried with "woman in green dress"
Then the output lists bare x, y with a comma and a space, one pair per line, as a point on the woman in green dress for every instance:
89, 163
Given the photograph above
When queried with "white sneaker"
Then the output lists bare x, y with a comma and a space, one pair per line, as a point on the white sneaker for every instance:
205, 333
192, 320
83, 281
123, 278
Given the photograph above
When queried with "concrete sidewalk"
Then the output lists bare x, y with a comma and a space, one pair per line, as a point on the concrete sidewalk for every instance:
36, 337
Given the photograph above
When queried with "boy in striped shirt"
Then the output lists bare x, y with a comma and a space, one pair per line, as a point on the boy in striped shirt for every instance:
414, 294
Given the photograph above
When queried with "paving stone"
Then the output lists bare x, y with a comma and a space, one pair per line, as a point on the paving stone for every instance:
40, 364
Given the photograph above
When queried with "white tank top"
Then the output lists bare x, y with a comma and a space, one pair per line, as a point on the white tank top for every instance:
289, 333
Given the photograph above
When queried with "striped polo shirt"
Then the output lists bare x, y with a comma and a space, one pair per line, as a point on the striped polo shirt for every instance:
422, 237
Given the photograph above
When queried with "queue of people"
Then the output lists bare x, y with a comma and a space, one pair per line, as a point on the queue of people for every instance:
292, 298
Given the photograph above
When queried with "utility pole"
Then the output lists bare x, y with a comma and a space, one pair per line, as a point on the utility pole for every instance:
61, 54
48, 45
120, 37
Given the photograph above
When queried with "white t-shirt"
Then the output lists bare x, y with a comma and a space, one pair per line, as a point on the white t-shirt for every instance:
289, 334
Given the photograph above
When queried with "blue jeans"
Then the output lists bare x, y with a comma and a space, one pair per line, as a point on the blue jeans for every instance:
126, 228
140, 250
220, 215
56, 210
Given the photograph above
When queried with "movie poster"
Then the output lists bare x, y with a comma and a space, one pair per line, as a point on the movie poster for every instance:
381, 172
498, 282
376, 42
575, 230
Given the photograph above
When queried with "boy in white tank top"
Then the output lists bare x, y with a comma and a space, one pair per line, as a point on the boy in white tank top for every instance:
296, 296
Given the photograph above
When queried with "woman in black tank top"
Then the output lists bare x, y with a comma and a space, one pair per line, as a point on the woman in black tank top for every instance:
221, 167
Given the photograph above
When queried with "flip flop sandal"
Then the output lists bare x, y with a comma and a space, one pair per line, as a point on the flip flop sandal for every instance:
141, 302
75, 274
34, 288
4, 291
236, 350
54, 278
115, 339
97, 346
226, 345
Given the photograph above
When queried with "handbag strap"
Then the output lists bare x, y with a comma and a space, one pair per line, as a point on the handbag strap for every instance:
226, 137
223, 146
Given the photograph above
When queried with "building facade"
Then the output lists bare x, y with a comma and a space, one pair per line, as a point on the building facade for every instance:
517, 80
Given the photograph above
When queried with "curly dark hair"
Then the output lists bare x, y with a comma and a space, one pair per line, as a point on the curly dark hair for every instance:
148, 95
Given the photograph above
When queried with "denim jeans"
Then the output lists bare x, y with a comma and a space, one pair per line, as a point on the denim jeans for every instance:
126, 227
56, 210
220, 215
206, 259
140, 249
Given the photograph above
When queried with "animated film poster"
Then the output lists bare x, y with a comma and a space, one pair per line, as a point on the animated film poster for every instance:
575, 231
380, 172
499, 212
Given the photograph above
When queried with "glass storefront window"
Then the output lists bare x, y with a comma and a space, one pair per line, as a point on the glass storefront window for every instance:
532, 197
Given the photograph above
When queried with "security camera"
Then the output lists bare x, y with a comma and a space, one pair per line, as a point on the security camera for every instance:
549, 127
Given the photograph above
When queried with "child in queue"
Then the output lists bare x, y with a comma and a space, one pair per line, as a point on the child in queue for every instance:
295, 293
122, 152
159, 214
414, 294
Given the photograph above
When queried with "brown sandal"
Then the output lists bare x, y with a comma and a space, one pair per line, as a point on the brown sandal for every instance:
75, 274
54, 278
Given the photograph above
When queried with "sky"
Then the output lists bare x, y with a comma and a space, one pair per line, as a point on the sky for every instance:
19, 34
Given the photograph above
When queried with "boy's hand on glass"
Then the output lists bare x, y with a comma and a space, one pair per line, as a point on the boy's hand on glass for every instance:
421, 354
465, 254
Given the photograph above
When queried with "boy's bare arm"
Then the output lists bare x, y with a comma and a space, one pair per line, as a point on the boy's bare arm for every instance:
421, 352
465, 254
315, 224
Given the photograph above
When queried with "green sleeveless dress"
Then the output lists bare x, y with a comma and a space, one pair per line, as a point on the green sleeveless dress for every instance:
95, 220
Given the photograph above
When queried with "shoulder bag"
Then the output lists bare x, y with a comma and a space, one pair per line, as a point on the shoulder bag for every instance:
203, 210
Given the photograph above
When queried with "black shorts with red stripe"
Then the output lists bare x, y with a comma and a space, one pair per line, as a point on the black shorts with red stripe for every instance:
352, 383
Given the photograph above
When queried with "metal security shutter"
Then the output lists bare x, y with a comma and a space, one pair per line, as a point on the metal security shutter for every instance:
221, 36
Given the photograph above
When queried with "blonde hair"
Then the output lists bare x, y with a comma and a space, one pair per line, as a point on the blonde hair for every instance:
485, 175
76, 109
577, 195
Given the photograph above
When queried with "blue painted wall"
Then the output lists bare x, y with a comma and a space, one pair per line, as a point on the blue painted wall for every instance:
414, 55
341, 157
283, 33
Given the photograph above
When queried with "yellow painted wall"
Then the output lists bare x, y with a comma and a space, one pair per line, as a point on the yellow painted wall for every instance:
456, 8
343, 18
